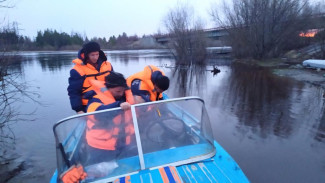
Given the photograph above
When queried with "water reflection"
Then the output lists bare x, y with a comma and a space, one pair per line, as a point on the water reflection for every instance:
54, 62
48, 62
267, 104
189, 80
16, 65
258, 99
320, 128
320, 134
122, 57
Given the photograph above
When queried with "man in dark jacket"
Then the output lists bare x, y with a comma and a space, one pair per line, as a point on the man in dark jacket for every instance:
90, 64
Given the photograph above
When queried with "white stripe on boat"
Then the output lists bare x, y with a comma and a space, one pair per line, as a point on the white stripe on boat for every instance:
188, 169
150, 178
222, 171
204, 169
186, 174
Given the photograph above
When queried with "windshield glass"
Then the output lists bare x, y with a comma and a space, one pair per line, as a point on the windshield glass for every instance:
113, 143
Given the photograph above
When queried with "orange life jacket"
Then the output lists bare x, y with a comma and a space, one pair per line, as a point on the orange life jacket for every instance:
146, 84
106, 138
90, 73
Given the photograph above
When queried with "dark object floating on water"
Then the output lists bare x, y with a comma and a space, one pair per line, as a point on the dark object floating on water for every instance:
215, 70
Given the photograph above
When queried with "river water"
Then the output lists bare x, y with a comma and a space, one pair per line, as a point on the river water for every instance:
273, 127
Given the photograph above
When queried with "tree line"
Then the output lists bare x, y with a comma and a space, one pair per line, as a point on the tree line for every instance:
53, 40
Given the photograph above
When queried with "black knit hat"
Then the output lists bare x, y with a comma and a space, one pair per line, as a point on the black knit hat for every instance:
115, 79
90, 47
162, 82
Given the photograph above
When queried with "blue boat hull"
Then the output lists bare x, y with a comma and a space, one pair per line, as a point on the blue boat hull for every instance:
219, 168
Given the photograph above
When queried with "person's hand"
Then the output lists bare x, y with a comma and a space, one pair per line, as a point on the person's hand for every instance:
80, 112
125, 106
73, 175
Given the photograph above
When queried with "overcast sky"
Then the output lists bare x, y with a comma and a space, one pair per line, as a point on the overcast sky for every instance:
100, 18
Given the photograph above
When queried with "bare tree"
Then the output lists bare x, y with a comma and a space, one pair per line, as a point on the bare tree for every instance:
12, 91
263, 29
320, 36
187, 40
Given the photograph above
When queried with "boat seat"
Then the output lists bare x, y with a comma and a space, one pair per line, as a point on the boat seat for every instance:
166, 174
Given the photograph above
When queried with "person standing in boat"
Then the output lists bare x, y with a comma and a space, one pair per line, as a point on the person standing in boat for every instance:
148, 84
90, 64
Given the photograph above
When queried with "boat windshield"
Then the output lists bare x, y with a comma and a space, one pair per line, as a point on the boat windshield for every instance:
114, 143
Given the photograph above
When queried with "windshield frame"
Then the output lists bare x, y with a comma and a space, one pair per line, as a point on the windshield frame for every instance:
137, 136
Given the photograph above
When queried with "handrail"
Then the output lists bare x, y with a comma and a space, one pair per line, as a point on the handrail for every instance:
117, 108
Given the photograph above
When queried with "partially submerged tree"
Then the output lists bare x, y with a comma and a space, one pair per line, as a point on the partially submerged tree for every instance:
187, 41
263, 28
